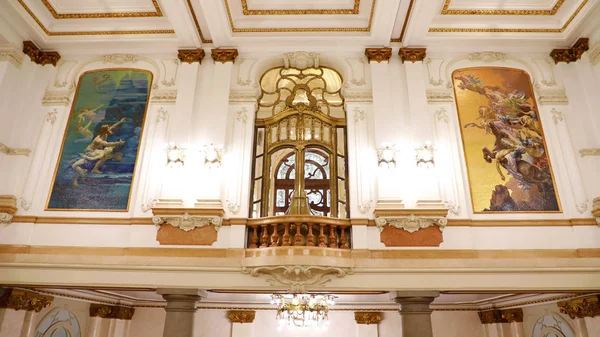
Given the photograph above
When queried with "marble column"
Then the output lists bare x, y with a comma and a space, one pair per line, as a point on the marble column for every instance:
415, 312
181, 307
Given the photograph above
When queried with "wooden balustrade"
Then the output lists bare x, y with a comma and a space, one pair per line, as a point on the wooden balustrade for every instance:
299, 230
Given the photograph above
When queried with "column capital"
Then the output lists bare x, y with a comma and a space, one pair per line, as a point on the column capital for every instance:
378, 54
23, 300
241, 316
368, 317
571, 54
38, 56
224, 55
109, 311
190, 55
501, 316
412, 54
181, 300
414, 302
581, 307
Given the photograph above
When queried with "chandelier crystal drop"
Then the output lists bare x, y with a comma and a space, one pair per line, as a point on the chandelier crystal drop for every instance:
303, 310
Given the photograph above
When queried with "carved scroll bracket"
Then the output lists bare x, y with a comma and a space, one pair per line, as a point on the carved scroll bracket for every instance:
108, 311
581, 307
187, 222
241, 316
368, 317
24, 300
297, 279
411, 223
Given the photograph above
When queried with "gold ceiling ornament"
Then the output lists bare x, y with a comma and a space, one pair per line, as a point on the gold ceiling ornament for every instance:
412, 54
368, 317
378, 54
191, 8
40, 57
224, 55
571, 54
24, 300
512, 30
190, 55
247, 11
447, 11
581, 307
111, 312
513, 315
241, 316
85, 33
56, 15
501, 316
297, 30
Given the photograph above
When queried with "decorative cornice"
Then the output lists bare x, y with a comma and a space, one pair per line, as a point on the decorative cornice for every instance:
412, 54
243, 96
589, 152
378, 54
56, 98
38, 56
164, 97
440, 96
11, 54
572, 54
297, 279
190, 55
487, 57
368, 317
362, 96
13, 151
224, 55
581, 307
501, 316
111, 312
187, 222
241, 316
24, 300
552, 97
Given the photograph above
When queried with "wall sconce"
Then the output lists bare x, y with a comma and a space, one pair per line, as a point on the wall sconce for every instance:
175, 155
386, 156
425, 156
212, 156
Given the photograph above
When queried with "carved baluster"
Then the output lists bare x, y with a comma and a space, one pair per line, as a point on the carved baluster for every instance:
332, 240
275, 236
254, 239
343, 243
298, 236
322, 236
310, 238
264, 239
286, 234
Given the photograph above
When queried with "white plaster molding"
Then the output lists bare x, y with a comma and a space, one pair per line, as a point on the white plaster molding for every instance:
172, 81
358, 73
487, 57
366, 207
242, 115
161, 115
243, 96
25, 205
233, 207
552, 97
454, 208
243, 71
298, 279
119, 58
411, 223
355, 96
441, 115
582, 207
5, 218
359, 115
557, 116
12, 151
187, 222
148, 204
300, 60
546, 66
56, 98
440, 96
51, 116
13, 55
594, 54
433, 82
589, 152
163, 97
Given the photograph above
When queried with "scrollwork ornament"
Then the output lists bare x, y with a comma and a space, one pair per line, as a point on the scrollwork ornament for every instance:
241, 316
452, 207
5, 218
411, 223
233, 207
582, 207
51, 116
241, 115
366, 207
369, 317
581, 307
441, 115
378, 54
487, 57
25, 205
148, 204
359, 115
557, 116
298, 279
188, 222
119, 58
412, 54
161, 115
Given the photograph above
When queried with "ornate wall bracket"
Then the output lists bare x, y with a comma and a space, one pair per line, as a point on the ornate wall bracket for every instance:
111, 312
411, 223
581, 307
501, 316
13, 151
24, 300
378, 54
224, 55
187, 222
198, 225
40, 57
572, 54
297, 279
8, 208
412, 54
368, 317
190, 55
241, 316
301, 60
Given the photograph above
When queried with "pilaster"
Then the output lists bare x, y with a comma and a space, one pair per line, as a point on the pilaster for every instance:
181, 308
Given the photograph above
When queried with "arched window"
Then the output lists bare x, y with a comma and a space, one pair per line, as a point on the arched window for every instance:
300, 144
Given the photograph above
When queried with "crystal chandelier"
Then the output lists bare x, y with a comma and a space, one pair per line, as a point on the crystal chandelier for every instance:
303, 310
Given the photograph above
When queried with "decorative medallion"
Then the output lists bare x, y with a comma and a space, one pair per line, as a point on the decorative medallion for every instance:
40, 57
297, 279
108, 311
368, 317
190, 55
572, 54
378, 54
581, 307
412, 54
241, 316
224, 55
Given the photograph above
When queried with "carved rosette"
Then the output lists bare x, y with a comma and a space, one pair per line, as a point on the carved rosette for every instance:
24, 300
190, 55
224, 55
8, 208
111, 312
40, 57
297, 279
572, 54
378, 54
188, 222
241, 316
581, 307
411, 223
412, 54
368, 317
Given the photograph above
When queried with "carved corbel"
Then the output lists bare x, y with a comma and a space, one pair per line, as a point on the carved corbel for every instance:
8, 208
111, 312
411, 223
24, 300
581, 307
378, 54
190, 55
368, 317
571, 54
241, 316
412, 54
297, 279
401, 227
40, 57
188, 222
197, 225
224, 55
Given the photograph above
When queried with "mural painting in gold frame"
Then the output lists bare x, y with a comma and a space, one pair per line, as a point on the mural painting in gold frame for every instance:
95, 170
506, 154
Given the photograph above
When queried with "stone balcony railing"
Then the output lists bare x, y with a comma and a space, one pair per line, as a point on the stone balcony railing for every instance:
299, 230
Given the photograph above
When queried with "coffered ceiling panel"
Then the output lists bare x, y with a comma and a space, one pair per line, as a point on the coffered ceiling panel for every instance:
102, 6
288, 7
523, 7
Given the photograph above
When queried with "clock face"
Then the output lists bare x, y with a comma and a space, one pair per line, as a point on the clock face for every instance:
552, 325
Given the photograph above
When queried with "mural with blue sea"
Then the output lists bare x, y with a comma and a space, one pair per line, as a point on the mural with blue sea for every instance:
96, 165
